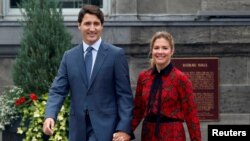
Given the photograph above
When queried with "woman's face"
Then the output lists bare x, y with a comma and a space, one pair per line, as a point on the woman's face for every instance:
161, 52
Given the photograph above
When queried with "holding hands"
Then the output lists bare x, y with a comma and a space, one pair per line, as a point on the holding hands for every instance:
121, 136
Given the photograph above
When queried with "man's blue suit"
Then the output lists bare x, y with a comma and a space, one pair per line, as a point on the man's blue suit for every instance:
108, 98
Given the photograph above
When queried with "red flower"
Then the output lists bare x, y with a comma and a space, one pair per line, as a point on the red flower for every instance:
33, 96
20, 101
17, 103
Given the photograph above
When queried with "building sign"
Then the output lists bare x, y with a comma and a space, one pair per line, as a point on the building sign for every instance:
203, 73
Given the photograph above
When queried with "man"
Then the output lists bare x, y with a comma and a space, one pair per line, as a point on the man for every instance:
98, 81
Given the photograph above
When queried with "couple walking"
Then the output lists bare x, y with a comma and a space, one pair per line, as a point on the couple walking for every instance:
96, 76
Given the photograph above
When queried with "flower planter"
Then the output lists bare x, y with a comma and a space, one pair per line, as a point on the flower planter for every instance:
10, 132
1, 135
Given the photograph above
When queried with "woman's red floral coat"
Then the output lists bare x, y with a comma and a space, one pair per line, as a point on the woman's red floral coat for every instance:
177, 102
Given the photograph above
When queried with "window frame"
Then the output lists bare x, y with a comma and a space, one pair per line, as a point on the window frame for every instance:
69, 14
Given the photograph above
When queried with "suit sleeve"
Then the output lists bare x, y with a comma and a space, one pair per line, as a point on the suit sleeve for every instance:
58, 91
189, 108
123, 92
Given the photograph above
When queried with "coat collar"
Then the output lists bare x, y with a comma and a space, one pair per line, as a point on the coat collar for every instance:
164, 71
81, 65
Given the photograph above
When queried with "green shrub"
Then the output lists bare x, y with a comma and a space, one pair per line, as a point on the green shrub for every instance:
43, 43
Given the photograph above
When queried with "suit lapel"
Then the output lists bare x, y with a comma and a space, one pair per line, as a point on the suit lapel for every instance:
102, 52
81, 65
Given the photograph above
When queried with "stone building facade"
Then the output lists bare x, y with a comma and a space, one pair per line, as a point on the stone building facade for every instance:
201, 28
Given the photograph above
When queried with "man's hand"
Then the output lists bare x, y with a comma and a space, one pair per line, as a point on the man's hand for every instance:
121, 136
48, 126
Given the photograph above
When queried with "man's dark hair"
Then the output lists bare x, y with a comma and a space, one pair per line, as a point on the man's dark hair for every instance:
91, 9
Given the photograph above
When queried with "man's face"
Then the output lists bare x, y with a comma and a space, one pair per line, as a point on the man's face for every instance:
91, 28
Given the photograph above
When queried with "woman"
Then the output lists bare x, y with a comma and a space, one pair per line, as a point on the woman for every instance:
164, 97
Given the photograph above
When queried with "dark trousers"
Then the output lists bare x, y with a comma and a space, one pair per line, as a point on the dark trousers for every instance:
90, 132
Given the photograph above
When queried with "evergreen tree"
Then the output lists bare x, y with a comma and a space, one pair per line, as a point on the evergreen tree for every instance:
43, 42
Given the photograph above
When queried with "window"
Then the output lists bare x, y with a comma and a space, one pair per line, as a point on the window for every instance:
66, 3
70, 8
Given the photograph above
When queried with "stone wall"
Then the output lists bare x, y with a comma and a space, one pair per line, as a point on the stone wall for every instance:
229, 43
225, 5
1, 8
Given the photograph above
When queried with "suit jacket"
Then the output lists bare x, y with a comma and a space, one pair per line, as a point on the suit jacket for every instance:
177, 102
108, 98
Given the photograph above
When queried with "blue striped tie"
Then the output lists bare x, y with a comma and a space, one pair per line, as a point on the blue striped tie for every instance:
88, 62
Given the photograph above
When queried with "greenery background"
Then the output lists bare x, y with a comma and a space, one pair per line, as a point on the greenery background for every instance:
43, 43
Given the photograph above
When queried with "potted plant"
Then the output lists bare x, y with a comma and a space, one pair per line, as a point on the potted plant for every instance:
32, 111
9, 113
22, 115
